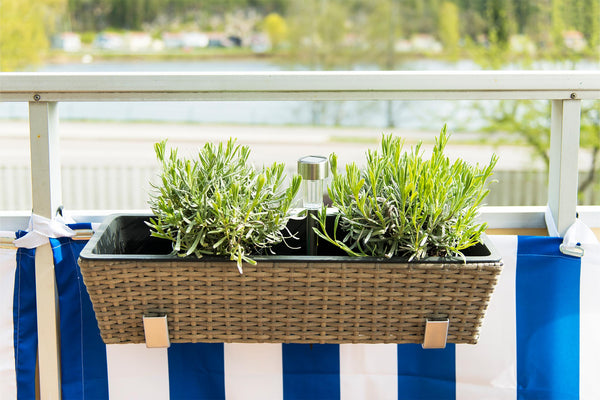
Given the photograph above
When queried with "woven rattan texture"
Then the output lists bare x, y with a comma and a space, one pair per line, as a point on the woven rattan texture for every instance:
289, 302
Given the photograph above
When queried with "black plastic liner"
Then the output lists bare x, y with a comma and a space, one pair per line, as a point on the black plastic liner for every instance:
126, 236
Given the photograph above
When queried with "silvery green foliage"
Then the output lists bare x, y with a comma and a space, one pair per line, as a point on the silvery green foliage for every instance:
404, 205
218, 204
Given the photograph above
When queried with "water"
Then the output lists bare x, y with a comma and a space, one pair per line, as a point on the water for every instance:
421, 115
351, 113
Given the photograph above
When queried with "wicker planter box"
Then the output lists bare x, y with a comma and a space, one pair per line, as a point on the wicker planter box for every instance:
285, 298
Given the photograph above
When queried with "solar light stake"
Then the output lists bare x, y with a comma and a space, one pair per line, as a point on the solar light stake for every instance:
314, 170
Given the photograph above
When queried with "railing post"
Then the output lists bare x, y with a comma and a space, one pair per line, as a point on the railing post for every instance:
46, 195
563, 171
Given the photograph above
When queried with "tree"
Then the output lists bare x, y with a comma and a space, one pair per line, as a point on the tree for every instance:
558, 22
24, 30
382, 31
317, 32
591, 23
500, 27
523, 11
88, 15
530, 121
269, 6
472, 24
449, 28
22, 35
420, 16
276, 29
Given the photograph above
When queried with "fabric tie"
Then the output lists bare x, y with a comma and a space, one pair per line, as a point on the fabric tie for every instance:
577, 238
40, 230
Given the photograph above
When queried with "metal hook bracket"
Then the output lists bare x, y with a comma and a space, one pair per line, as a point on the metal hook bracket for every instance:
436, 334
156, 331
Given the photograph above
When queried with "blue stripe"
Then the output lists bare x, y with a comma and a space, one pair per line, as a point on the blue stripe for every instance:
426, 373
83, 353
311, 371
80, 225
196, 371
25, 323
547, 297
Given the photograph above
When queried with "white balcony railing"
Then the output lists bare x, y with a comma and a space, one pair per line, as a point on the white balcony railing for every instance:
43, 91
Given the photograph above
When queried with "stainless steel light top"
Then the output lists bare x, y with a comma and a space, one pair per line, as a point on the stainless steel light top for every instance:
313, 168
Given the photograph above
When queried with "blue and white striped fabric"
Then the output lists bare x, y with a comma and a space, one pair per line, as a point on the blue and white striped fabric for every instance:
539, 341
8, 266
24, 320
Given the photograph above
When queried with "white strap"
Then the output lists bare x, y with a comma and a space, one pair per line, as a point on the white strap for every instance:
577, 238
40, 230
550, 225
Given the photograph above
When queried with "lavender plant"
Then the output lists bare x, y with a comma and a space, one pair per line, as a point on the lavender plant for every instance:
218, 204
401, 204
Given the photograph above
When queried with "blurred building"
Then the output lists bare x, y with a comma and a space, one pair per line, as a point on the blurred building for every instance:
67, 41
109, 41
574, 40
138, 41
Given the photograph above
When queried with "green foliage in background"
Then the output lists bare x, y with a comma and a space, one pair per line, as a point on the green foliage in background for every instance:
276, 28
449, 28
22, 34
323, 34
99, 15
317, 32
25, 27
530, 121
381, 30
404, 205
218, 204
499, 15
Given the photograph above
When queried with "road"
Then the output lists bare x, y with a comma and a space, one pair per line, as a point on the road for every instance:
102, 143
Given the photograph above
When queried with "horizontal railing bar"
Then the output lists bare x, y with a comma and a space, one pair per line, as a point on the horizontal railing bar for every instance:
515, 217
284, 85
295, 96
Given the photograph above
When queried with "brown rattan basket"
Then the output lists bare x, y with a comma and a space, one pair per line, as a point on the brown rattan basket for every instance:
282, 299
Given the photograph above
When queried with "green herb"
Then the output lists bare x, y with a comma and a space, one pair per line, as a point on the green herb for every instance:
218, 204
404, 205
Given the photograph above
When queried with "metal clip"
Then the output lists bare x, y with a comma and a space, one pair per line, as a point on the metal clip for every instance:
575, 251
156, 332
436, 334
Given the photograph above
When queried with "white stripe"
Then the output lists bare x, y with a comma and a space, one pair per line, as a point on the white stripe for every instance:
253, 371
489, 369
136, 372
8, 377
589, 336
368, 371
